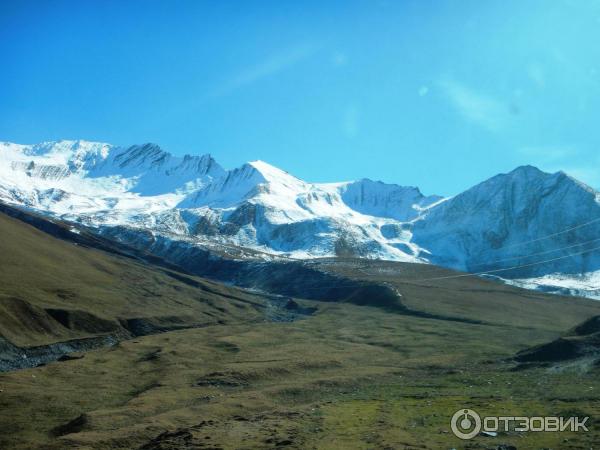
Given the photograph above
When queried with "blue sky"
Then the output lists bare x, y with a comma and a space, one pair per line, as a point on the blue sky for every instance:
438, 94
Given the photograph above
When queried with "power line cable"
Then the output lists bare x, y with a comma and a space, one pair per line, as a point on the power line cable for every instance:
509, 268
536, 254
362, 283
553, 234
538, 240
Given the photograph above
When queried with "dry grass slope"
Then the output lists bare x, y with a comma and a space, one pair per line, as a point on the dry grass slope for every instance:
351, 376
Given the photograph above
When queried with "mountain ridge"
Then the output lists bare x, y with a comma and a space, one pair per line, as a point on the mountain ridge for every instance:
261, 207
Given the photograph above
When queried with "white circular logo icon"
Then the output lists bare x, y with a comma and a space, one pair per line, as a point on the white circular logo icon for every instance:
465, 423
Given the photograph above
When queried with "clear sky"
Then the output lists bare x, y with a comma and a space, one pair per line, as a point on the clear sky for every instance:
438, 94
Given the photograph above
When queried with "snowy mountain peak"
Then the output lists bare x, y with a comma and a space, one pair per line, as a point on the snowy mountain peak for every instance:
150, 170
520, 187
150, 157
57, 152
278, 179
376, 198
249, 180
501, 222
527, 170
147, 156
53, 160
507, 217
272, 173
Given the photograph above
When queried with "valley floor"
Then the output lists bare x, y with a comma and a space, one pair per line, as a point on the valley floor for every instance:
347, 377
380, 357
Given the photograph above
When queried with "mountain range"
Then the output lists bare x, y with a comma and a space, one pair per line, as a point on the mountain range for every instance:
527, 227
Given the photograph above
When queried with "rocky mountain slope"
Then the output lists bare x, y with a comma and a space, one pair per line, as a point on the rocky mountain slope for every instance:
539, 230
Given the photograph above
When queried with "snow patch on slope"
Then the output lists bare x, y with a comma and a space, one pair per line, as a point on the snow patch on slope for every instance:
585, 285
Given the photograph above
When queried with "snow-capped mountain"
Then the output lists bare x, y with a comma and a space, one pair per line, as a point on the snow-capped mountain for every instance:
154, 171
374, 198
515, 219
76, 178
257, 206
265, 208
